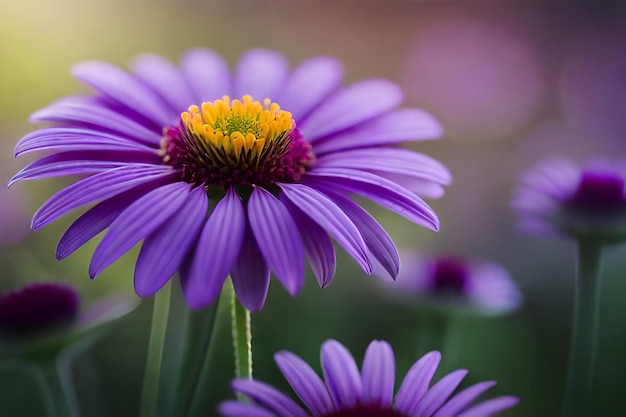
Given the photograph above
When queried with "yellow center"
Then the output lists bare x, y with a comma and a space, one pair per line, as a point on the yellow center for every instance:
238, 127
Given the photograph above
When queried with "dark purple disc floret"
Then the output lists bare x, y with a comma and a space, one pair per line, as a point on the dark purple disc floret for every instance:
450, 275
37, 307
599, 191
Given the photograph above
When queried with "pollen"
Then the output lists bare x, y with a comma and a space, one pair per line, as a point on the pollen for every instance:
236, 141
241, 129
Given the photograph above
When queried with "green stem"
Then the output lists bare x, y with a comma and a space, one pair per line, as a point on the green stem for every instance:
242, 338
194, 375
61, 398
150, 392
183, 376
578, 393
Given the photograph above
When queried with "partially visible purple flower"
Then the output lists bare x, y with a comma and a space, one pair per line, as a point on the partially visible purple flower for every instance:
37, 307
559, 197
346, 392
48, 315
592, 87
481, 78
452, 282
238, 174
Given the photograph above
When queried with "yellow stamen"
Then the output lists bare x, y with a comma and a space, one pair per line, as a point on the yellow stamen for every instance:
239, 127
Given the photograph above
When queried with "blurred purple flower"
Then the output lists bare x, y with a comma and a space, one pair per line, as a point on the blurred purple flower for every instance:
276, 191
37, 307
370, 393
483, 80
558, 197
48, 314
593, 86
453, 283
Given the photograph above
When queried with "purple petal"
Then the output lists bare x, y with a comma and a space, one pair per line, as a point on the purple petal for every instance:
388, 160
325, 212
423, 188
164, 250
260, 74
555, 178
251, 274
86, 111
216, 251
375, 237
402, 125
123, 88
378, 189
341, 374
105, 310
490, 407
439, 393
493, 288
80, 163
53, 166
98, 187
165, 79
378, 374
269, 397
305, 383
64, 138
453, 407
207, 73
350, 106
309, 83
416, 383
99, 218
140, 219
278, 238
317, 245
236, 409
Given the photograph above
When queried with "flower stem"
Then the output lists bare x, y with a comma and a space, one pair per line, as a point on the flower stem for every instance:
149, 395
578, 393
242, 338
194, 345
61, 397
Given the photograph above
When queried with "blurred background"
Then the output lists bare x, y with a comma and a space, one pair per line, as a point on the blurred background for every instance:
512, 83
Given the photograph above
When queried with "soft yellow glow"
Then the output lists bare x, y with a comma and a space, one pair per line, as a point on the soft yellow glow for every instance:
238, 127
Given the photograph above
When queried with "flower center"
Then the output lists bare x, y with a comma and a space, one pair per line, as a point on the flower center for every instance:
369, 410
37, 307
238, 142
599, 191
449, 276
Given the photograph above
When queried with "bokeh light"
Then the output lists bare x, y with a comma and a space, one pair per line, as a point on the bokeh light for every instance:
593, 86
481, 78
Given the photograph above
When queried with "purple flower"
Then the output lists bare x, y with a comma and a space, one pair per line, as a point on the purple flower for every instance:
48, 315
558, 197
218, 179
451, 282
37, 307
370, 393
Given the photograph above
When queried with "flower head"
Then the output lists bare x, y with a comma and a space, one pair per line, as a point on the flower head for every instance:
455, 283
238, 175
588, 202
346, 392
47, 316
37, 307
